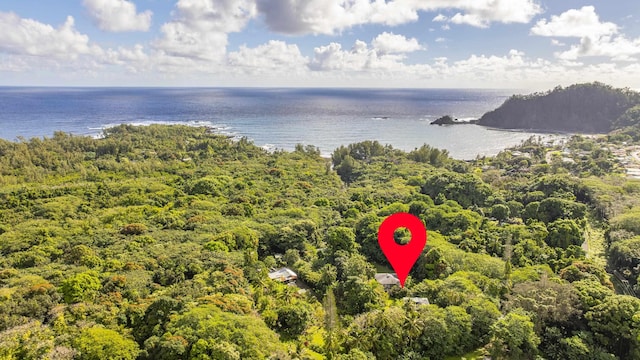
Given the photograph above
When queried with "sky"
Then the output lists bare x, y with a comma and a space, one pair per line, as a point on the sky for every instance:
506, 44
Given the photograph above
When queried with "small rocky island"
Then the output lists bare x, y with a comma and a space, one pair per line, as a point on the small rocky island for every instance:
449, 120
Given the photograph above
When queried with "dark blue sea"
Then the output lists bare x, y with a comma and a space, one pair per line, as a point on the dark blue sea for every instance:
272, 118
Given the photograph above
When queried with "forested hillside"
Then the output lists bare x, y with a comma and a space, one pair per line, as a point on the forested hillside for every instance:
586, 108
157, 242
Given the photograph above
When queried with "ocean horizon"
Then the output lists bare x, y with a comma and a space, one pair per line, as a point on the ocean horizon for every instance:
273, 118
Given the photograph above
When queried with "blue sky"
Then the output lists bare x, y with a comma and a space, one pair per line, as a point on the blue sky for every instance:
524, 44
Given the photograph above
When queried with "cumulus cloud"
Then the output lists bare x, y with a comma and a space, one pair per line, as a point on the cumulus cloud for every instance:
118, 15
30, 37
363, 63
440, 18
597, 38
200, 28
583, 22
332, 57
489, 65
359, 58
179, 39
470, 19
274, 56
389, 43
191, 46
513, 69
483, 12
134, 59
332, 16
617, 48
29, 45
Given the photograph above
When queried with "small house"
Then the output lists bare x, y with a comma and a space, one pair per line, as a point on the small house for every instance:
284, 275
418, 300
387, 280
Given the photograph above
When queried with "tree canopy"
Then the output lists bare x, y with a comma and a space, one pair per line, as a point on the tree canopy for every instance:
587, 108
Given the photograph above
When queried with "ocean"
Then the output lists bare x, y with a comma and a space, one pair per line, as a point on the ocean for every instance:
271, 118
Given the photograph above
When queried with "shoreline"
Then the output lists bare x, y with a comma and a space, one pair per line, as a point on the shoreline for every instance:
227, 131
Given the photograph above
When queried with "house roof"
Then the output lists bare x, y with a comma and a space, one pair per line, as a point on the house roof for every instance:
283, 274
387, 278
418, 300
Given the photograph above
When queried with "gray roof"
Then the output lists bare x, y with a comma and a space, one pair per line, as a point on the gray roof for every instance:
418, 300
387, 279
283, 274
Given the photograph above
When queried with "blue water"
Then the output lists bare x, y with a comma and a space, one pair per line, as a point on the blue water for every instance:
272, 118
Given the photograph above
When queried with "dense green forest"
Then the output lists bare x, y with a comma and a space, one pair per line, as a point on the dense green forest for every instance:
585, 108
156, 243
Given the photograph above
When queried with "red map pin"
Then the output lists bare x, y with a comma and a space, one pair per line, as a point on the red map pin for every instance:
402, 257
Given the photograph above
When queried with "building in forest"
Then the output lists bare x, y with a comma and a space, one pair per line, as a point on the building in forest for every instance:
284, 275
387, 280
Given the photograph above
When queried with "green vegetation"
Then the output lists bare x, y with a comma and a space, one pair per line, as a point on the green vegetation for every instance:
586, 108
156, 243
449, 120
444, 120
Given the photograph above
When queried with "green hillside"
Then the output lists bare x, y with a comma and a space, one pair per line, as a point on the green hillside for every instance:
157, 242
583, 108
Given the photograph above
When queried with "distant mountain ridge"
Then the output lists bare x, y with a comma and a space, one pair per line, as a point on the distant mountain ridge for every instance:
588, 108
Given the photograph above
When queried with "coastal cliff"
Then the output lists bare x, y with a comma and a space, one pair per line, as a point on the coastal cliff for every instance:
586, 108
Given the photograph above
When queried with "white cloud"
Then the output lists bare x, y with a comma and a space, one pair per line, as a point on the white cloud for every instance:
516, 70
134, 60
617, 48
200, 28
180, 39
332, 57
503, 11
118, 15
333, 64
488, 66
13, 63
29, 45
481, 13
575, 23
224, 16
333, 16
440, 18
390, 43
272, 57
361, 58
511, 70
597, 38
341, 67
30, 37
191, 48
470, 19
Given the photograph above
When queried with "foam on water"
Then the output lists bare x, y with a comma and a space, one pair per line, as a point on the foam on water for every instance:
272, 118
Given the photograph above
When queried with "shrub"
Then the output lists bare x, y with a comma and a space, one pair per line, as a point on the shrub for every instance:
134, 229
